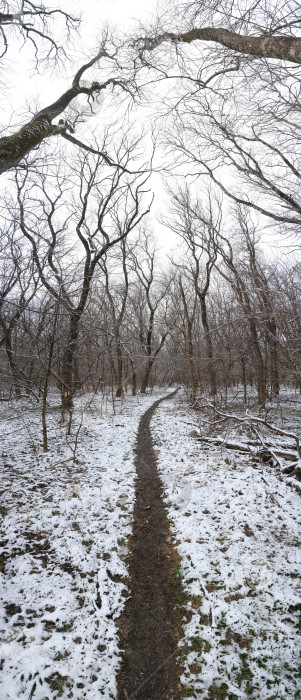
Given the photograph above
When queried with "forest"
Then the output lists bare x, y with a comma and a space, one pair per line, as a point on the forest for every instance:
150, 349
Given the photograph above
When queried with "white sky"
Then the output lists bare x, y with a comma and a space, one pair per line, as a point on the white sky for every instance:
28, 90
95, 15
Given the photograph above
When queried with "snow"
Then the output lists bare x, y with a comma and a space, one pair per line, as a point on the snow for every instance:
64, 536
64, 568
236, 527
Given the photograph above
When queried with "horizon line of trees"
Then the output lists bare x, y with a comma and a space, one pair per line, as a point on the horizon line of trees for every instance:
84, 301
217, 316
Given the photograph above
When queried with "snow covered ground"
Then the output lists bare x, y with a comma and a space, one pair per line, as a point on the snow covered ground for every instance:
63, 562
237, 529
63, 565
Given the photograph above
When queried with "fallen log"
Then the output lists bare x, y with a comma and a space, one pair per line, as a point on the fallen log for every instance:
247, 447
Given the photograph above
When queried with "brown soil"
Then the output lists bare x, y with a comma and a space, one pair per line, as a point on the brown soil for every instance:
151, 624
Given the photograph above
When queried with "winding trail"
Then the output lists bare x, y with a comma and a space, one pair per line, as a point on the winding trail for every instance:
150, 625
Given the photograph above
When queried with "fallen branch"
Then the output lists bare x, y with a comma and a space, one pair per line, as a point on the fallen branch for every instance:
249, 420
266, 452
246, 447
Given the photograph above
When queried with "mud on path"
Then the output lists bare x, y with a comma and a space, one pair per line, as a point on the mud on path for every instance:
150, 625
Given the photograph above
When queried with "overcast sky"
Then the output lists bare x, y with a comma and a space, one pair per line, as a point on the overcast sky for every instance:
23, 79
27, 90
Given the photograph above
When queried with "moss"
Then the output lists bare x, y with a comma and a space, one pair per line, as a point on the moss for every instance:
198, 645
220, 692
245, 674
187, 692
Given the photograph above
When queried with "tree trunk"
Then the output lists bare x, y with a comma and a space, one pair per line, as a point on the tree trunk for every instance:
12, 364
134, 377
68, 363
187, 331
29, 377
285, 48
273, 352
189, 358
119, 387
243, 298
15, 147
134, 382
244, 379
45, 394
146, 376
208, 346
260, 368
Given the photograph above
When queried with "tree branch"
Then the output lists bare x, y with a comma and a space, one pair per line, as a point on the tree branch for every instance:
284, 48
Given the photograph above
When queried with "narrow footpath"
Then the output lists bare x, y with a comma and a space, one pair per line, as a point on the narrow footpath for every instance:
150, 625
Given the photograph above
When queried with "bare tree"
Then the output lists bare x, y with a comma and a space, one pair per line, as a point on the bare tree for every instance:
264, 294
152, 292
37, 25
105, 209
15, 146
187, 222
18, 287
188, 313
255, 160
269, 28
284, 48
117, 300
230, 117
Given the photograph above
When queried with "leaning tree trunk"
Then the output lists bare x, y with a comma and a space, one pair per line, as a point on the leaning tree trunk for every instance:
208, 346
284, 48
274, 361
260, 368
15, 147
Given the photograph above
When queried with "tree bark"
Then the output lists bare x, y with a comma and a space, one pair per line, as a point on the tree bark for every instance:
189, 357
273, 359
45, 394
68, 363
12, 364
146, 376
244, 379
208, 346
119, 387
15, 147
187, 331
284, 48
260, 368
134, 381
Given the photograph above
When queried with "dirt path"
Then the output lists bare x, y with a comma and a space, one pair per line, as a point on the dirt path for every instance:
150, 625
